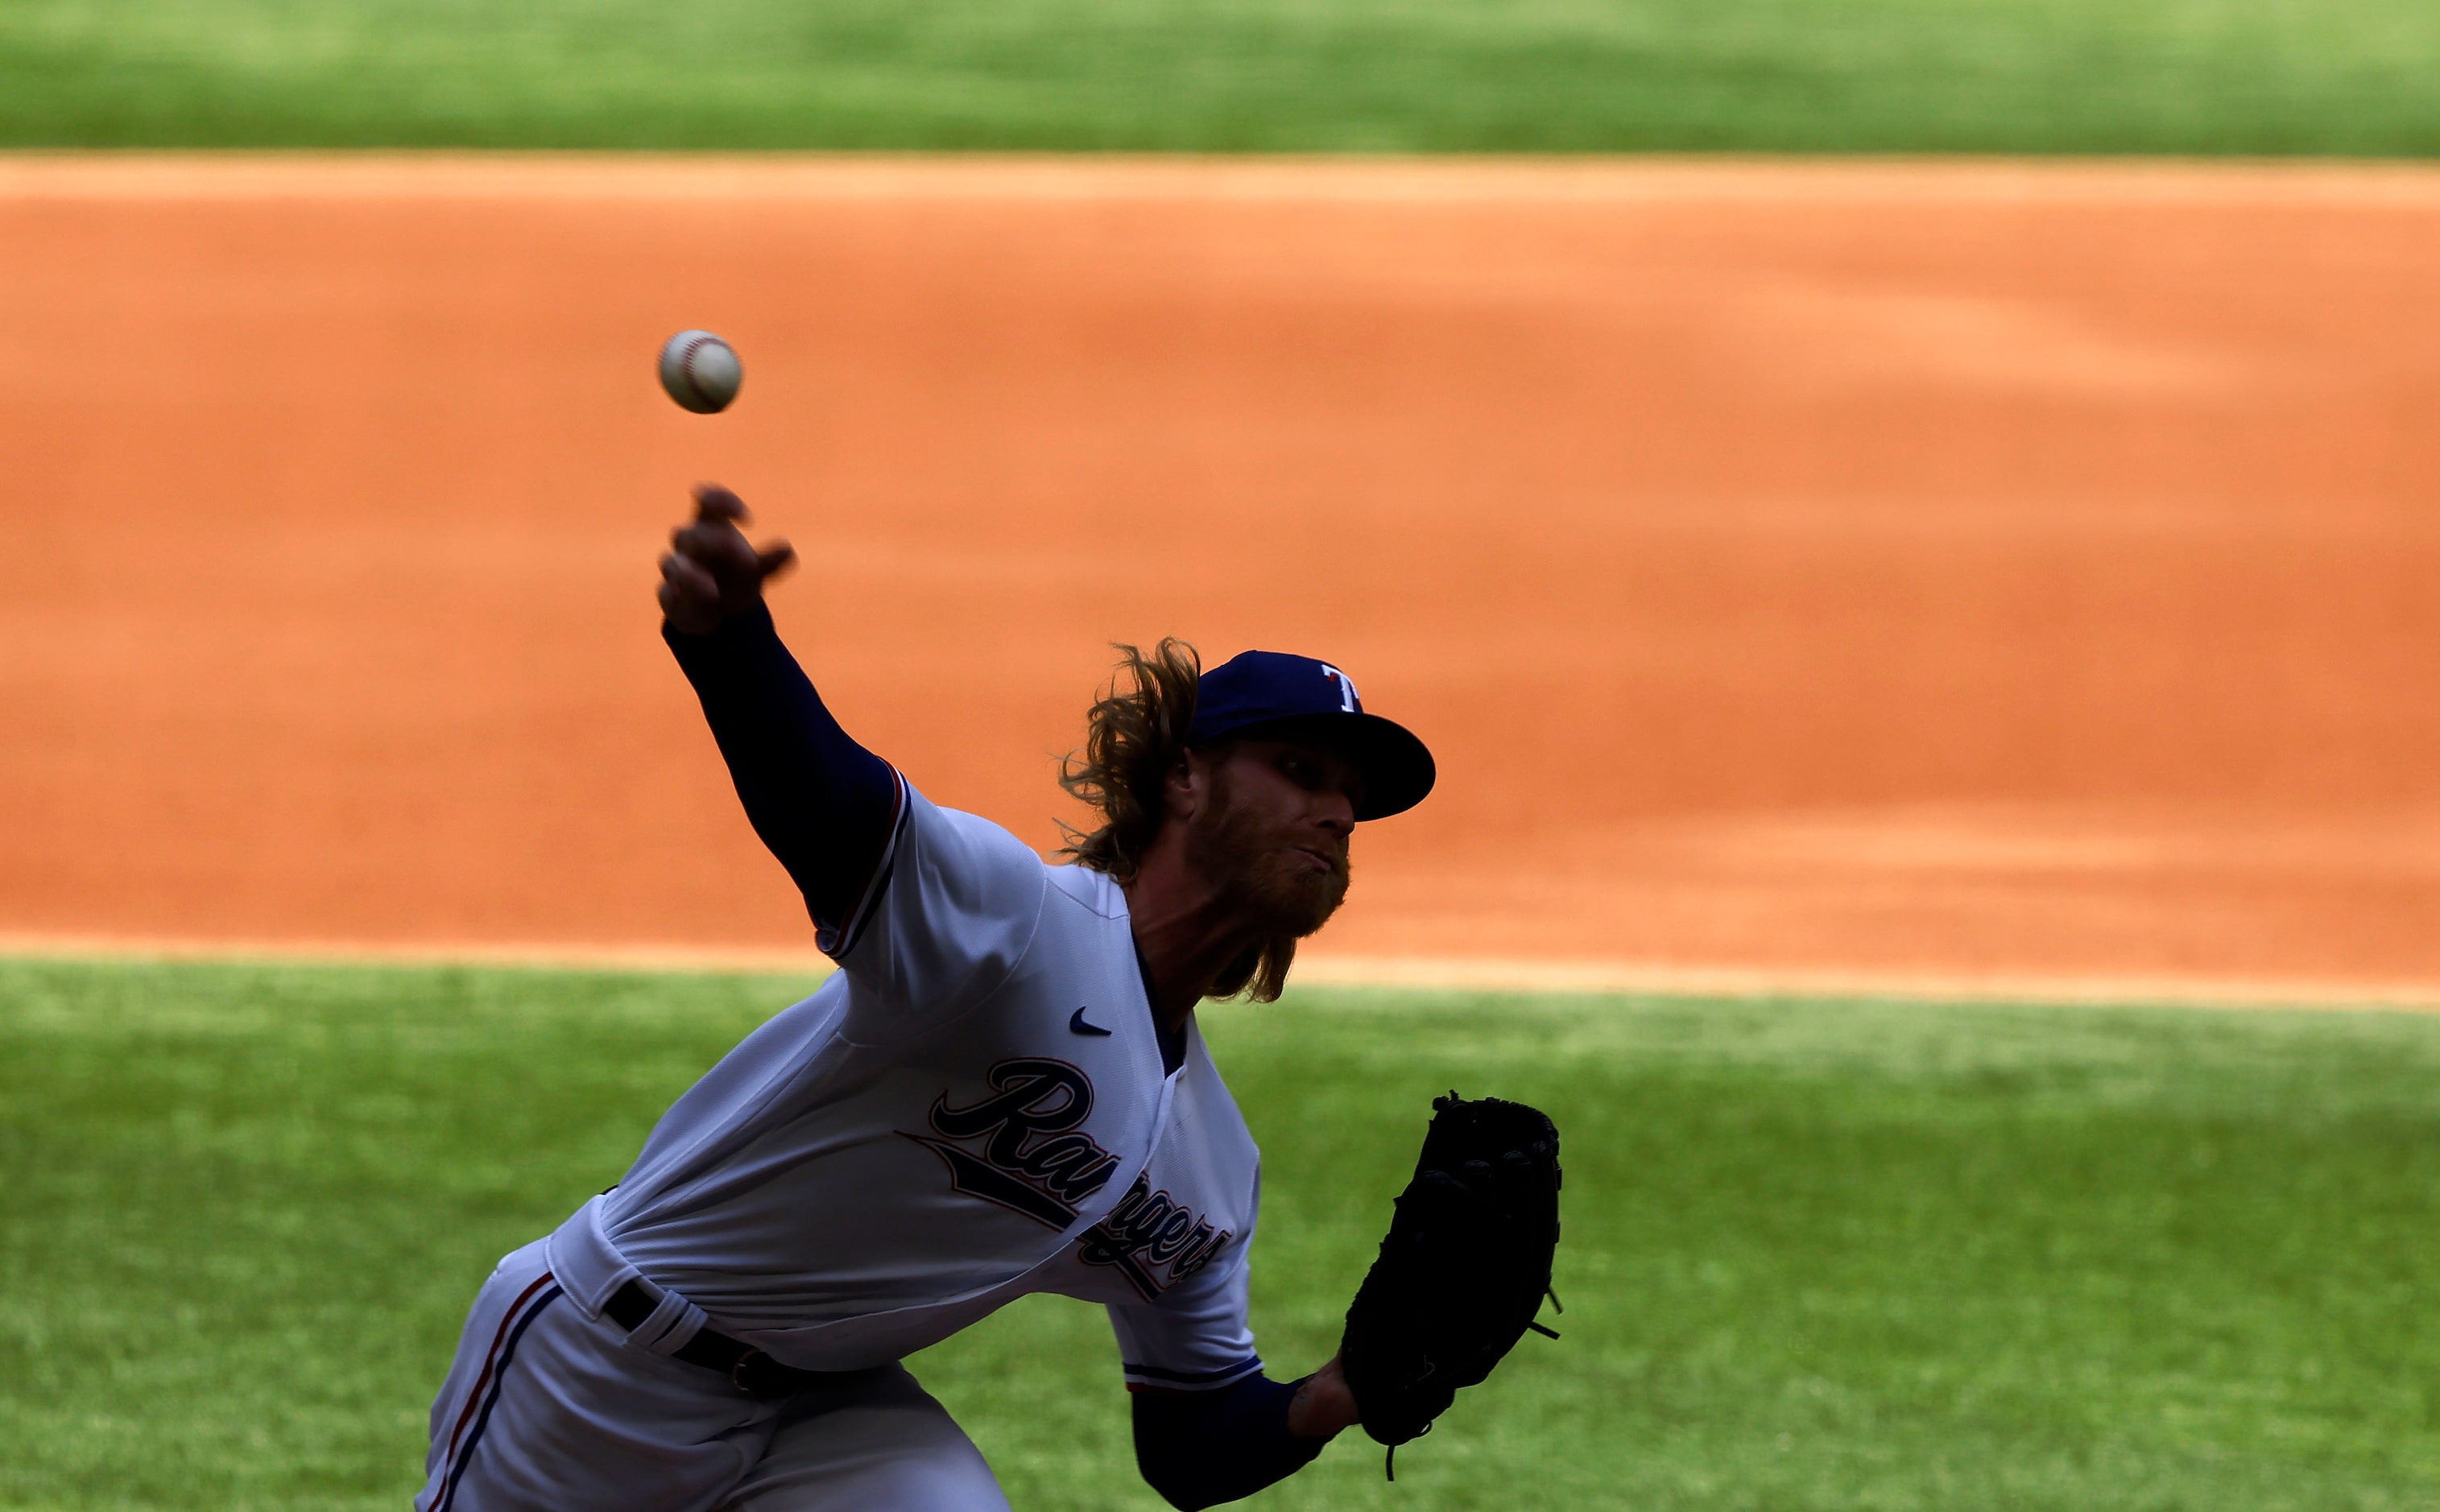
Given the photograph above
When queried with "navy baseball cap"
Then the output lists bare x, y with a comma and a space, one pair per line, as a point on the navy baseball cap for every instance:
1272, 694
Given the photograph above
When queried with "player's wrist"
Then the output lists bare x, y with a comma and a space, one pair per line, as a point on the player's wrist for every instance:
1322, 1406
723, 624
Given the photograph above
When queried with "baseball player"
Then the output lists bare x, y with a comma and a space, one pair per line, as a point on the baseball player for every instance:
1001, 1091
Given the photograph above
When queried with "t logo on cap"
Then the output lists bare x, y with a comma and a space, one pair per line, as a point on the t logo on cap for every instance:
1274, 695
1348, 702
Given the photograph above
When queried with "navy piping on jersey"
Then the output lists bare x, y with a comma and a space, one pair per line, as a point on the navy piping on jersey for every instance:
837, 943
826, 807
487, 1386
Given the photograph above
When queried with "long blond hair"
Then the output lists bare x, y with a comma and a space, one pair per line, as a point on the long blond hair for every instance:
1134, 735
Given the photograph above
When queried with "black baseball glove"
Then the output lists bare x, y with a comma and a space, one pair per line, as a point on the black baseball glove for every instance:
1463, 1270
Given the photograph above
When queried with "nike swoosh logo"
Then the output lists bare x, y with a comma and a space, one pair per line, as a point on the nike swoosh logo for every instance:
1076, 1025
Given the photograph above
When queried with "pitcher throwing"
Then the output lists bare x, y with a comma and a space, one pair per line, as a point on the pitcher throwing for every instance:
1001, 1091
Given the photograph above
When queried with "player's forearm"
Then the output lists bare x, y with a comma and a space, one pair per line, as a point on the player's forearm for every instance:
1201, 1449
823, 803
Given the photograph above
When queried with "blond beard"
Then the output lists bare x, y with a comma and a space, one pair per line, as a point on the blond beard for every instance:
1273, 889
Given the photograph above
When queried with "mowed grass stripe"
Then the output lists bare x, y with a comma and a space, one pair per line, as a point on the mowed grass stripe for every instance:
1834, 1255
2332, 77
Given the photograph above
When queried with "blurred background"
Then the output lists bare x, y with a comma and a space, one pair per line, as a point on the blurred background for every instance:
1972, 569
1868, 499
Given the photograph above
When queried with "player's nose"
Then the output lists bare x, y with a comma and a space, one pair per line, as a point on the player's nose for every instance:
1335, 813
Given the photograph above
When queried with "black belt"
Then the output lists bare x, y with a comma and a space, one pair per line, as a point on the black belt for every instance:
742, 1365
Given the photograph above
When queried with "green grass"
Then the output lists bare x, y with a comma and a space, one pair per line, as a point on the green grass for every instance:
1819, 1256
2350, 77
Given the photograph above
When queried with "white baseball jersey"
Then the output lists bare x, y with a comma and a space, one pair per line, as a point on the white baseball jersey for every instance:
973, 1109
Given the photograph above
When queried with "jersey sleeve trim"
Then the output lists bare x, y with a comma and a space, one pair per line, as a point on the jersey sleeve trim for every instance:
1190, 1379
835, 941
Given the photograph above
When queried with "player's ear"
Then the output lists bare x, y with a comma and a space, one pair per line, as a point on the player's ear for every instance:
1188, 783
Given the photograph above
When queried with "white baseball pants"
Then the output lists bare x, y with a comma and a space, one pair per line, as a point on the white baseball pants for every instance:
547, 1410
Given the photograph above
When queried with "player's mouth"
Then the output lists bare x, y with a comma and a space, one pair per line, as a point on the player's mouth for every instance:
1323, 860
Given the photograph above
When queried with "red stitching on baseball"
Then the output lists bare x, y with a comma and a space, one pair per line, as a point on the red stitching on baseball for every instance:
686, 365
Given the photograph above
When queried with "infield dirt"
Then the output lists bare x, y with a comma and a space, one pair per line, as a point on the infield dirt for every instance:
2021, 571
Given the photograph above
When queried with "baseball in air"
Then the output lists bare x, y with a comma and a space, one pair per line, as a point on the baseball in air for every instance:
700, 371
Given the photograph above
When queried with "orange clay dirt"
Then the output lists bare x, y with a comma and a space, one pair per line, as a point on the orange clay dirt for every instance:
1917, 572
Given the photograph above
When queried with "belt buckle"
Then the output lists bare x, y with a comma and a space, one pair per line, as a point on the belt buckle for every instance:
737, 1369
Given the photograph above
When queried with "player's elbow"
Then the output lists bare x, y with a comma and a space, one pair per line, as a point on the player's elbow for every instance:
1167, 1455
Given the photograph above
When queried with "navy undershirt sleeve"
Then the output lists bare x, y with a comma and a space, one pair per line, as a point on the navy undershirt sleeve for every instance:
823, 803
1201, 1449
